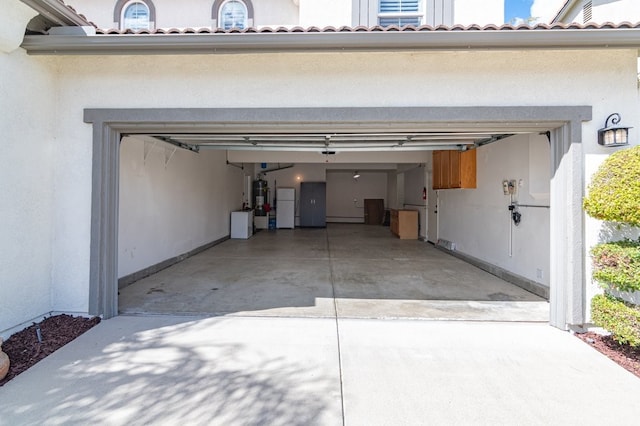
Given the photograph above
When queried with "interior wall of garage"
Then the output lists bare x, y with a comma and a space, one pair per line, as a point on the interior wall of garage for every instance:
27, 207
342, 189
290, 178
605, 79
346, 195
478, 221
414, 183
392, 189
171, 205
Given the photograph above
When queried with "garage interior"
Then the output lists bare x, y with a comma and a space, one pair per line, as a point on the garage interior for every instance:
348, 269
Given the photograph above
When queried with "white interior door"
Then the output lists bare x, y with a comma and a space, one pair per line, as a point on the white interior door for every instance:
432, 207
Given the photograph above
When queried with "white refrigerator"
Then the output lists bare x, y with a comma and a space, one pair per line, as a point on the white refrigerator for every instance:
285, 208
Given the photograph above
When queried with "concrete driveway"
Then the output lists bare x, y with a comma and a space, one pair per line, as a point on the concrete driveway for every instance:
316, 371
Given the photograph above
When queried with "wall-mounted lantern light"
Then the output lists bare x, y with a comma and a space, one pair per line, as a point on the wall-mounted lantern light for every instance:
612, 134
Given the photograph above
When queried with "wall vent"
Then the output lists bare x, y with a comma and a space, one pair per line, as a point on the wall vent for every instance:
449, 245
587, 12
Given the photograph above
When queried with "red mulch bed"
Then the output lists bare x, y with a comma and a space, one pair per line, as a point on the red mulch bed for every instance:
25, 350
624, 355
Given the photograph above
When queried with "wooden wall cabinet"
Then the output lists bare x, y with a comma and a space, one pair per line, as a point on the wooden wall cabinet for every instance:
404, 224
454, 169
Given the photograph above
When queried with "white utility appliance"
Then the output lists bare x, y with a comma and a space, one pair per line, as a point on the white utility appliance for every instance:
242, 224
285, 208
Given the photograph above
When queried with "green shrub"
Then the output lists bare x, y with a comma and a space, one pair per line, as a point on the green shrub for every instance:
618, 317
614, 192
617, 265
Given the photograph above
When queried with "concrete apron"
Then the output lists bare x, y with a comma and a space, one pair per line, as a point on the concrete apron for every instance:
343, 271
167, 370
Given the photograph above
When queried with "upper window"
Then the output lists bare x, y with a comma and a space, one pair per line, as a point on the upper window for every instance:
233, 14
399, 12
134, 15
227, 14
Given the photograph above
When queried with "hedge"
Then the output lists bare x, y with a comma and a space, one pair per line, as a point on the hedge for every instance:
618, 317
616, 265
614, 192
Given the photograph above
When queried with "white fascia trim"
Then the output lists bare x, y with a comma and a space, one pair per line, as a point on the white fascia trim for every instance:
159, 44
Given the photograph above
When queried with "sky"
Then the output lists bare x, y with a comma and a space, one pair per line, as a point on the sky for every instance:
520, 10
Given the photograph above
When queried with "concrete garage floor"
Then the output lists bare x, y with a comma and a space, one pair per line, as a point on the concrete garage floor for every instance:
344, 271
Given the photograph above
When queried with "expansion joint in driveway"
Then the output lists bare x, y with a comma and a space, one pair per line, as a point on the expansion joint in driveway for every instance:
337, 322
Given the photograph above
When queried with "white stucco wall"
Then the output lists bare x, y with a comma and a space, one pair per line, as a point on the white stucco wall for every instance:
169, 209
607, 11
436, 79
338, 79
616, 11
478, 220
322, 13
275, 13
191, 14
27, 89
468, 12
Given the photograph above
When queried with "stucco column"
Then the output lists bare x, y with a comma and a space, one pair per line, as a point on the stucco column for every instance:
567, 257
103, 298
15, 17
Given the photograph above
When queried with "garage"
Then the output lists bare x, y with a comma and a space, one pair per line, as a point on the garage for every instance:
80, 93
345, 296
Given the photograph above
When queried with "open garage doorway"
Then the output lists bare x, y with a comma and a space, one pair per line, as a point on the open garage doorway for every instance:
171, 201
564, 123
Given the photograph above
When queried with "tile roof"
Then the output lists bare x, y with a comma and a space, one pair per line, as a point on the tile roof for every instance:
58, 13
74, 11
342, 29
392, 28
295, 39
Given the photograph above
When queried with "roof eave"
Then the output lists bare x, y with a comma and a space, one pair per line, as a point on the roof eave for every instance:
57, 13
165, 44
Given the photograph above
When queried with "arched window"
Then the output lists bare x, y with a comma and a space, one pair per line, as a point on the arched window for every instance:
229, 14
233, 14
135, 15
